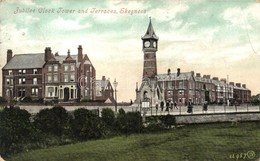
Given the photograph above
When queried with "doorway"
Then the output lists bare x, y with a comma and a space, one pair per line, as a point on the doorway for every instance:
66, 94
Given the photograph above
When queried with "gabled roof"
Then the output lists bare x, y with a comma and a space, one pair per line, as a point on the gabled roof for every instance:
102, 83
201, 79
26, 61
150, 32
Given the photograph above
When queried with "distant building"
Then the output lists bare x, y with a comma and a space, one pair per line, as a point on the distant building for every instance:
48, 76
104, 90
182, 87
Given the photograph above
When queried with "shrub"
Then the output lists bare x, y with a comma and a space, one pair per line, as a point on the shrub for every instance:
2, 100
27, 99
54, 121
168, 120
15, 130
130, 122
108, 117
86, 125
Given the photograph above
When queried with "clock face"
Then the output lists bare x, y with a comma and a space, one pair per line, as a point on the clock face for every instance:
147, 44
154, 44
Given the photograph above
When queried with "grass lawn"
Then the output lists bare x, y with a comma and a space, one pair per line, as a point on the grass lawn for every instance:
199, 142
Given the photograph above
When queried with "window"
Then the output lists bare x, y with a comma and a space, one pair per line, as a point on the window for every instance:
21, 92
55, 78
66, 78
72, 67
49, 79
10, 72
34, 71
71, 93
56, 91
20, 80
181, 92
23, 81
180, 85
11, 81
49, 68
50, 92
7, 81
34, 80
169, 85
7, 92
35, 91
24, 71
19, 71
72, 77
66, 67
55, 68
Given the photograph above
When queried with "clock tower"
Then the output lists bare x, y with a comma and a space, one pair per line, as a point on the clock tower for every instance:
150, 47
147, 94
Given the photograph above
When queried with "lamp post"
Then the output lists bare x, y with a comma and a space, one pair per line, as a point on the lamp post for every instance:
115, 83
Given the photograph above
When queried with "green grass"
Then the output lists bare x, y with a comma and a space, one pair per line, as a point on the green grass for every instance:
191, 142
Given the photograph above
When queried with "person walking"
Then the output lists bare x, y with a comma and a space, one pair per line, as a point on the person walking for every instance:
205, 107
175, 105
167, 106
162, 105
171, 105
190, 107
156, 107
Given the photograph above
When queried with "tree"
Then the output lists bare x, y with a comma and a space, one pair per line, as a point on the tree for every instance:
255, 99
15, 130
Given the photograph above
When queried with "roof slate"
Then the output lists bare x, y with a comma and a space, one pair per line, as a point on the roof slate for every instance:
26, 61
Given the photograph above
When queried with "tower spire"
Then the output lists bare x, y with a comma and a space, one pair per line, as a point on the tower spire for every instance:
150, 31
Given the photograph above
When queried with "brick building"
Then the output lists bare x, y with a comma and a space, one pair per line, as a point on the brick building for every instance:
48, 76
182, 87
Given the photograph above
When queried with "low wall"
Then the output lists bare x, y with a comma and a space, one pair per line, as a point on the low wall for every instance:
224, 117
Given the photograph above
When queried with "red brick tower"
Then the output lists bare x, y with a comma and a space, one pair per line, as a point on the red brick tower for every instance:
150, 46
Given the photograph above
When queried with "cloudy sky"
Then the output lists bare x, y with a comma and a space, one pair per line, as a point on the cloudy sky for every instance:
217, 37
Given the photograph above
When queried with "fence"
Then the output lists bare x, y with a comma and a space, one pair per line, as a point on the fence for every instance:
182, 110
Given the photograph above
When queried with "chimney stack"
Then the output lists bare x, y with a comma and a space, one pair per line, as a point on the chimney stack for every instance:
9, 55
244, 85
238, 84
215, 78
103, 77
48, 54
178, 71
223, 80
80, 54
232, 83
197, 74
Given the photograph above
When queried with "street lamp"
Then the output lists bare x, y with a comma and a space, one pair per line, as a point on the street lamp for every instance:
115, 83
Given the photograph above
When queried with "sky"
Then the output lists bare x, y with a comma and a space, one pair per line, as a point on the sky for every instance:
220, 38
